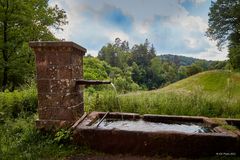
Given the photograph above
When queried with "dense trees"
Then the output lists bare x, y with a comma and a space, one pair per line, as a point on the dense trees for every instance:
224, 27
94, 69
21, 22
133, 62
139, 66
164, 72
115, 54
141, 55
99, 70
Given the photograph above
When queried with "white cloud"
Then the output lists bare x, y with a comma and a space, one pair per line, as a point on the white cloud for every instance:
92, 52
212, 53
190, 23
190, 42
199, 1
193, 1
112, 35
166, 23
142, 27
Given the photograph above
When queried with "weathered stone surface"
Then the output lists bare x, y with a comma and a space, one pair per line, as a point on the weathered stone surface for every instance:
43, 86
59, 113
52, 58
58, 46
65, 72
52, 124
76, 59
47, 72
64, 58
58, 64
77, 72
62, 86
41, 59
154, 143
58, 100
71, 100
165, 143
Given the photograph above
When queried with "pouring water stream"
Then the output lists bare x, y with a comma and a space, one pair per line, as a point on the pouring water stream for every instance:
120, 108
101, 120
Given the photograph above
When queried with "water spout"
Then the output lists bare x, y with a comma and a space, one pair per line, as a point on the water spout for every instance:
91, 82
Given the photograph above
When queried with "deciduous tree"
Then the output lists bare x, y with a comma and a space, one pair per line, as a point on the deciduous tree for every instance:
224, 27
22, 21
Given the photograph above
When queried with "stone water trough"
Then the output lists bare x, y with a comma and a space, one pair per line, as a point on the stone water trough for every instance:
60, 104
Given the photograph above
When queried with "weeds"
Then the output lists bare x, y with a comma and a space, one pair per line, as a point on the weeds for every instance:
14, 103
195, 103
19, 139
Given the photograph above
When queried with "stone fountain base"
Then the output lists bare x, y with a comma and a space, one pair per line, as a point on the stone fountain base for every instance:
174, 143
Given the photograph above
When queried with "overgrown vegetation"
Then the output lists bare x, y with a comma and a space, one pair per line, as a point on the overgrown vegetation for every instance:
19, 139
212, 94
194, 104
12, 104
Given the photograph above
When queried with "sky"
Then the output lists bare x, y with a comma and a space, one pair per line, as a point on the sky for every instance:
172, 26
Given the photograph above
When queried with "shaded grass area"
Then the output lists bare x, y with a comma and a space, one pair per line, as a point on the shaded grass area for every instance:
19, 101
19, 139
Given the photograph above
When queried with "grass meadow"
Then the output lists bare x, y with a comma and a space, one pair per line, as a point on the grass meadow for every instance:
212, 94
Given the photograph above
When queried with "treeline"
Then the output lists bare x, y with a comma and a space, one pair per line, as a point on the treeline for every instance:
140, 68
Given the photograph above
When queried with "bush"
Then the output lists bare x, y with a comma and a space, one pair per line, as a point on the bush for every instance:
20, 140
14, 103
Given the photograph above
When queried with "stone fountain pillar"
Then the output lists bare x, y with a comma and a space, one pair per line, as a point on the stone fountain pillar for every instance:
60, 100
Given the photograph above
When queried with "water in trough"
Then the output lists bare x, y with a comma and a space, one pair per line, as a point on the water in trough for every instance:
141, 125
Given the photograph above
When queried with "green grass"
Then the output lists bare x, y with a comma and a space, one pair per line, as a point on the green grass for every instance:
212, 94
214, 83
13, 103
20, 140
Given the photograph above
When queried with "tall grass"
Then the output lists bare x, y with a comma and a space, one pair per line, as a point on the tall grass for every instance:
20, 140
19, 137
195, 103
14, 103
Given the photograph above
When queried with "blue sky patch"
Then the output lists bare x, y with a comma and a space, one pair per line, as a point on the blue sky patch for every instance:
118, 19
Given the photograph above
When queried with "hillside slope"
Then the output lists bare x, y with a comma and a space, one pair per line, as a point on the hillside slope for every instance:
215, 83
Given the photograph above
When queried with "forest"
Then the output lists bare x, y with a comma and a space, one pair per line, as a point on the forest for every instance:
139, 68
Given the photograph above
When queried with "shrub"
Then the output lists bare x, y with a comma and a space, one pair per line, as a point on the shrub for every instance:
20, 140
14, 103
63, 136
